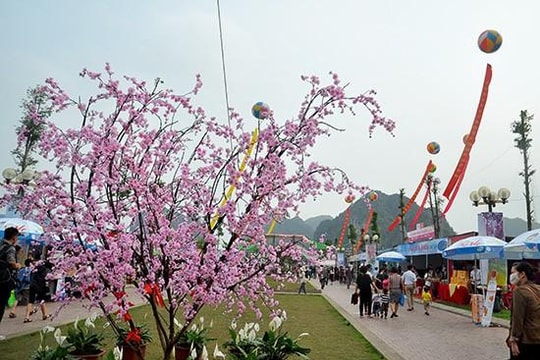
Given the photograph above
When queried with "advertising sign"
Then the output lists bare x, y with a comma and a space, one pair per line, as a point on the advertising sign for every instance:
425, 233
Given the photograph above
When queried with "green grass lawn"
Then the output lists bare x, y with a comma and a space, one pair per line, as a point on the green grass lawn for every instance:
330, 335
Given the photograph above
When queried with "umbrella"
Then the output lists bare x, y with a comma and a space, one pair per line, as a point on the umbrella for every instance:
524, 246
391, 256
474, 248
30, 231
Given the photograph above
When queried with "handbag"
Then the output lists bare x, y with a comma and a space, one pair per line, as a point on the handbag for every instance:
402, 299
354, 298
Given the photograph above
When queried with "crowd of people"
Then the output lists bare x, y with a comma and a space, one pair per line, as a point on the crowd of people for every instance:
380, 293
28, 282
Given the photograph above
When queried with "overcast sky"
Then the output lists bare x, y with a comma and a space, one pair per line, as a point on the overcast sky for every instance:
420, 55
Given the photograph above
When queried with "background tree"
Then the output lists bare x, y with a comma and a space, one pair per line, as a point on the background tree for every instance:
523, 129
34, 107
149, 187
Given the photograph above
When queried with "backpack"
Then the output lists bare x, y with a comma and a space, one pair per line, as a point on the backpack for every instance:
7, 275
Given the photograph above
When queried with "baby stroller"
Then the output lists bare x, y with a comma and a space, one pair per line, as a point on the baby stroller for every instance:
376, 305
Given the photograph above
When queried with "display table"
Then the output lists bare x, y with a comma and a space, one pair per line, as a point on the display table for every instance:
458, 294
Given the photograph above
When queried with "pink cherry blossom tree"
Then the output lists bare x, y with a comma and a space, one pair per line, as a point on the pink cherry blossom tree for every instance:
148, 188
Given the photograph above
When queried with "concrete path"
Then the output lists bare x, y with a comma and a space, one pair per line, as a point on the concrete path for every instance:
412, 335
15, 327
447, 334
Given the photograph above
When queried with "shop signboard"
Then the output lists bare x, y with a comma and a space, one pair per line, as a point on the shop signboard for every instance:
423, 248
423, 233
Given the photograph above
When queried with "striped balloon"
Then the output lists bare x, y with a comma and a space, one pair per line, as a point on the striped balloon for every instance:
489, 41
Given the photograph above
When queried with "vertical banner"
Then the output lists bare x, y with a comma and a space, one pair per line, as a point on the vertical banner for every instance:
341, 258
491, 224
371, 253
477, 308
489, 301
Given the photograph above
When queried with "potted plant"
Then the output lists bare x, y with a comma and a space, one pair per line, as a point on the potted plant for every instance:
83, 342
133, 341
246, 344
46, 352
192, 342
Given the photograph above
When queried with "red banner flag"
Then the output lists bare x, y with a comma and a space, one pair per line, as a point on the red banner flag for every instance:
411, 200
421, 208
461, 166
344, 227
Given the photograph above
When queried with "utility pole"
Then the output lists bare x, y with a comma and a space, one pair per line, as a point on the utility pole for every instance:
402, 224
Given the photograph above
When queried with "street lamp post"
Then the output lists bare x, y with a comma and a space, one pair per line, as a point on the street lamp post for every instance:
23, 179
484, 196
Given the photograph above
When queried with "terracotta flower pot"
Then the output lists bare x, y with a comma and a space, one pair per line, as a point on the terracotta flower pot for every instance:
128, 353
182, 353
89, 356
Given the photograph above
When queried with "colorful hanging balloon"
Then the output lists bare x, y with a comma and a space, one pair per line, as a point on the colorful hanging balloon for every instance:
373, 196
433, 147
260, 110
489, 41
349, 198
432, 168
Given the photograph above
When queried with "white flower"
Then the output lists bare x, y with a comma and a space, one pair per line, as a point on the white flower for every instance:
284, 315
47, 329
252, 335
58, 336
233, 324
76, 323
218, 354
275, 323
204, 354
118, 353
177, 323
90, 320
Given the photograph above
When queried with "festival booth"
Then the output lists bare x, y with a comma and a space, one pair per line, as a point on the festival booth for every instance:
421, 255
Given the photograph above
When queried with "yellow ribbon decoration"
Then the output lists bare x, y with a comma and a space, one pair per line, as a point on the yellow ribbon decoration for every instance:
232, 187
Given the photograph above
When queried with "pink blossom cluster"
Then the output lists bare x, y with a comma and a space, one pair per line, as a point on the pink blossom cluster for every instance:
140, 192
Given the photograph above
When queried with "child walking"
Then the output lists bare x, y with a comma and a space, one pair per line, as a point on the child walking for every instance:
385, 300
426, 297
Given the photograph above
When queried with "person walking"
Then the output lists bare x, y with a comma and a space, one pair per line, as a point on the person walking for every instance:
385, 300
524, 337
303, 280
409, 280
8, 267
426, 299
22, 292
38, 292
364, 286
396, 290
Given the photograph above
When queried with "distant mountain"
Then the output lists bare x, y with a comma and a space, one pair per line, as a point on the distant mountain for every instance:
387, 208
295, 226
514, 227
314, 222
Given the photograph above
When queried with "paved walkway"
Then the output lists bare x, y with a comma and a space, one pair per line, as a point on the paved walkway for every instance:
448, 333
15, 327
